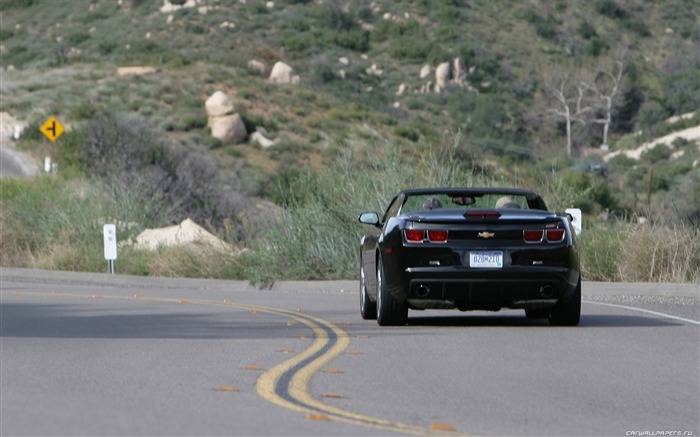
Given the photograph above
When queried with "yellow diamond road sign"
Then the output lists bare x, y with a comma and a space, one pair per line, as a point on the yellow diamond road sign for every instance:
52, 129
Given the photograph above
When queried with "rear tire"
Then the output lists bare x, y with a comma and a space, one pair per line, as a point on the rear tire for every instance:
368, 309
390, 312
568, 314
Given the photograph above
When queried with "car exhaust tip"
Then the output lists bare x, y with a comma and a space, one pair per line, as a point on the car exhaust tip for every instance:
546, 291
422, 291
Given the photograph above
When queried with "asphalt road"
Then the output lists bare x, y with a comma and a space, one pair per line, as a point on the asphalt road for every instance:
93, 354
15, 164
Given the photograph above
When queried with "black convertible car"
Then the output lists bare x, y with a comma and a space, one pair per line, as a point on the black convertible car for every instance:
470, 249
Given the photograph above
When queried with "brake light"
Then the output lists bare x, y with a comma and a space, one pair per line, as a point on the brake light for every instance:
533, 235
480, 214
555, 235
437, 236
414, 235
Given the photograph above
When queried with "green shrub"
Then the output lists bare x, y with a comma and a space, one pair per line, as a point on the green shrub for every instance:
318, 232
18, 4
407, 132
545, 27
610, 9
660, 152
586, 30
601, 248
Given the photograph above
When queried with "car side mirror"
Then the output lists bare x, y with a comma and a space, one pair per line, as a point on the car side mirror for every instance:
369, 218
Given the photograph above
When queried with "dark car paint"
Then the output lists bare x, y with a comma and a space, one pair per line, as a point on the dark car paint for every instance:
410, 268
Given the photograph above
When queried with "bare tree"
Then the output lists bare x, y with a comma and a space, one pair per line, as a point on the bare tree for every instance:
606, 88
570, 104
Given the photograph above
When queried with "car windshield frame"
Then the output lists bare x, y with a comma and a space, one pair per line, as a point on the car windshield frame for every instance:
425, 199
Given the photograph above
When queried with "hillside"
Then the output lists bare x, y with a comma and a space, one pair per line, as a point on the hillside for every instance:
532, 93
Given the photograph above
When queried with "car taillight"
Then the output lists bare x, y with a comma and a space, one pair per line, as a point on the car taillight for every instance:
538, 235
437, 236
533, 235
555, 235
414, 235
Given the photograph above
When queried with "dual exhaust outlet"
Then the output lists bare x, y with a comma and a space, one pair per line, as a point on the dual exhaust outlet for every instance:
546, 291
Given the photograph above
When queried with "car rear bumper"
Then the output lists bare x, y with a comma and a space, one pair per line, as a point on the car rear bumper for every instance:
489, 289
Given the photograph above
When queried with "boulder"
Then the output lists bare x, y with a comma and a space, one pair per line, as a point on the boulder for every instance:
452, 74
442, 75
186, 233
228, 128
402, 89
219, 104
282, 73
264, 142
425, 71
256, 66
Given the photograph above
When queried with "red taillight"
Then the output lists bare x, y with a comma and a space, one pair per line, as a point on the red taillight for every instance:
533, 235
555, 235
414, 235
437, 236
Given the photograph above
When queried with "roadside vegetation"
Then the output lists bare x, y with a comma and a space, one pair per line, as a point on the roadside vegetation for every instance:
138, 151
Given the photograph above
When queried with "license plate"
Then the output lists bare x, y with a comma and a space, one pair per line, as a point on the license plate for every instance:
486, 260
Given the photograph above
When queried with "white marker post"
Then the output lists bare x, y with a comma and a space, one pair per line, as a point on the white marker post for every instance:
110, 240
577, 219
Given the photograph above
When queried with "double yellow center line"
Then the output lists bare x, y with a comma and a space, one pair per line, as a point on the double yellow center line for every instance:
287, 384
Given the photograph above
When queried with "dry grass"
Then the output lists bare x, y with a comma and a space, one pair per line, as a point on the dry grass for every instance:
661, 254
624, 252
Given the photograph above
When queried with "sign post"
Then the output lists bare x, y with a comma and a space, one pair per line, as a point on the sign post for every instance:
52, 129
110, 242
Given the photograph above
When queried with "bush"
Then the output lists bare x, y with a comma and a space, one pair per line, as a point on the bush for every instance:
317, 236
660, 152
37, 217
167, 183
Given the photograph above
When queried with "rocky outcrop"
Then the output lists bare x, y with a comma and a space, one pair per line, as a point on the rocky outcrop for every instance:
224, 123
449, 75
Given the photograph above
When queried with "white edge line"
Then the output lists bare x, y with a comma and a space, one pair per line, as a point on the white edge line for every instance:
641, 310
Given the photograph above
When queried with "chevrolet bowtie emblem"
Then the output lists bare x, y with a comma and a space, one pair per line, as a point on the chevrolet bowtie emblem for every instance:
485, 234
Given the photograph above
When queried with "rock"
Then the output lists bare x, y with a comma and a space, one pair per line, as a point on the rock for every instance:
281, 73
219, 104
258, 137
452, 74
374, 70
228, 128
402, 89
136, 71
343, 60
256, 66
185, 234
442, 75
425, 71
